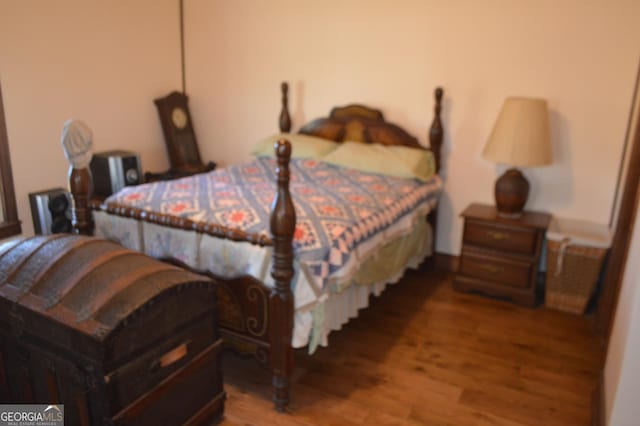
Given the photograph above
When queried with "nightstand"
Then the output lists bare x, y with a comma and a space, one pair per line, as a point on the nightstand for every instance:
500, 256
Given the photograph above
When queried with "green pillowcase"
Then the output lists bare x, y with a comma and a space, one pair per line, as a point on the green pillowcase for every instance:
399, 161
302, 146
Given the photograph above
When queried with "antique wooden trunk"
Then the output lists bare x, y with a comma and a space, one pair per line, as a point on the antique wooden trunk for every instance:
115, 336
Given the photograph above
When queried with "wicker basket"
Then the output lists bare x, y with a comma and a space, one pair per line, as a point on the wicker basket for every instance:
573, 269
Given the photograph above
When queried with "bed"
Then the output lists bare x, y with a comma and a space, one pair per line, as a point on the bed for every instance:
297, 247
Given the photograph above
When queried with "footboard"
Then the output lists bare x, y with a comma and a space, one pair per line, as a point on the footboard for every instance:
247, 312
243, 317
243, 313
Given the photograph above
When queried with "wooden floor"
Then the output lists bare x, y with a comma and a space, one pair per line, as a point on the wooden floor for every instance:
425, 354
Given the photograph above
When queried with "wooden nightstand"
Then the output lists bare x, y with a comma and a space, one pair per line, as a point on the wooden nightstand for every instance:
500, 256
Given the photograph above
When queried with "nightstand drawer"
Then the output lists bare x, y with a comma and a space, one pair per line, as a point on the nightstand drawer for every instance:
516, 240
503, 271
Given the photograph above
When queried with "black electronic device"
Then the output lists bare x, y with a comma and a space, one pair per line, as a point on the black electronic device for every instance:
51, 211
113, 170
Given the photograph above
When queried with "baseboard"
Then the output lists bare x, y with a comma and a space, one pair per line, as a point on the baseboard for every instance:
598, 404
447, 262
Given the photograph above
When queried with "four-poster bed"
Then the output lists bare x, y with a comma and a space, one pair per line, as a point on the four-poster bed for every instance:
256, 317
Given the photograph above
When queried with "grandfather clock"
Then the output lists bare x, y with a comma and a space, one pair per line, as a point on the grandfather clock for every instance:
179, 137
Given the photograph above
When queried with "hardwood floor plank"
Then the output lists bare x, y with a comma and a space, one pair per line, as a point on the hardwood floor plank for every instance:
425, 354
509, 372
456, 414
524, 407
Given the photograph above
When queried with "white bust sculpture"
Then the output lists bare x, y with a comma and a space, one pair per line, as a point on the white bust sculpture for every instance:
77, 141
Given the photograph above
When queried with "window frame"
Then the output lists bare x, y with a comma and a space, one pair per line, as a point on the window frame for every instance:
10, 224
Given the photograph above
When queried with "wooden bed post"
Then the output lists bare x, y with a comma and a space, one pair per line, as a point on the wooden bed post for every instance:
283, 223
436, 132
80, 186
77, 143
285, 118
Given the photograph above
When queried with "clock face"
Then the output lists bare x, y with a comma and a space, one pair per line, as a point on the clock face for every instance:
179, 118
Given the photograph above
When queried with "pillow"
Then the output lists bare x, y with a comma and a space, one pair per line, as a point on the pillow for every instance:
398, 161
422, 164
303, 146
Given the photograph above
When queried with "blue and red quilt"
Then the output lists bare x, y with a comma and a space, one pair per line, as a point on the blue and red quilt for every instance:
337, 208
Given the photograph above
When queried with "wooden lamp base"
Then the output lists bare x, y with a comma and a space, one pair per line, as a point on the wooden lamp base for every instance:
511, 192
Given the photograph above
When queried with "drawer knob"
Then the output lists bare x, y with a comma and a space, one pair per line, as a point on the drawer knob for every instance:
499, 236
492, 269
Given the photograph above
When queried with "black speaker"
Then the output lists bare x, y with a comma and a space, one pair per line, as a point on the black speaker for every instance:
113, 170
51, 211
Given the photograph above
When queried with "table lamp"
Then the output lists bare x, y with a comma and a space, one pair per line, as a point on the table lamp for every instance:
519, 138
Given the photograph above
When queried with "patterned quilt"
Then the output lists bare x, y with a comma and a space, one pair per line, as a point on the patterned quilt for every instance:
337, 209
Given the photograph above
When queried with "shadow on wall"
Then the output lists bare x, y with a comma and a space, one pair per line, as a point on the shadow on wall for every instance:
298, 117
445, 226
445, 204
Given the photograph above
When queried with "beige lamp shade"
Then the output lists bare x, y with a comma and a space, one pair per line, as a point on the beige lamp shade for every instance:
521, 134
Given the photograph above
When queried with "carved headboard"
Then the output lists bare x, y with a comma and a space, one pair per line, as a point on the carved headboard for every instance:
360, 123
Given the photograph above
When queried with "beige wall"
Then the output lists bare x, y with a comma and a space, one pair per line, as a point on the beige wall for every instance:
580, 55
104, 62
101, 62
